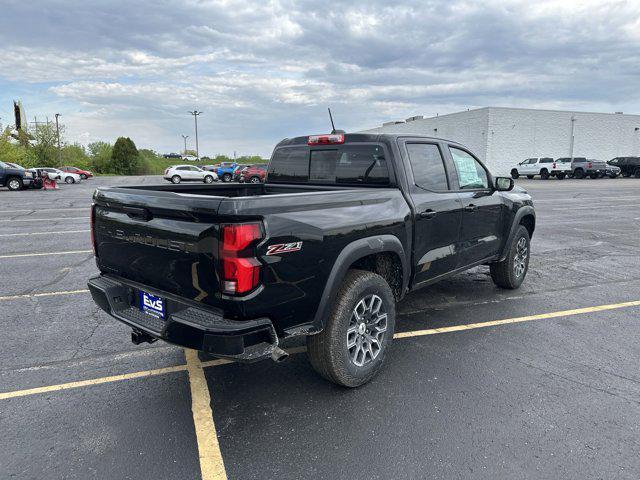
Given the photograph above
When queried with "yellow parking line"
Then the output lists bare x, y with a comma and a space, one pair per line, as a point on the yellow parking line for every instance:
211, 462
93, 381
42, 233
414, 333
528, 318
43, 294
70, 252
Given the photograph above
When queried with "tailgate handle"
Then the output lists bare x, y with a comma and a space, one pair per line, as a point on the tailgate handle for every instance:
138, 212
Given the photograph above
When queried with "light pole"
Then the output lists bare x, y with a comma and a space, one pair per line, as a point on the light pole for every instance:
58, 136
195, 114
184, 137
572, 139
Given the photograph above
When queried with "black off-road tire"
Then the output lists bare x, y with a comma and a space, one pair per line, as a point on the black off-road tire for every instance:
328, 350
636, 173
544, 174
503, 273
579, 173
515, 174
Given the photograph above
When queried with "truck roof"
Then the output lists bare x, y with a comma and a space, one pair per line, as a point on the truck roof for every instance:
365, 138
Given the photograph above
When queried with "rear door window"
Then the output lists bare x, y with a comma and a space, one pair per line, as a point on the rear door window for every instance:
427, 166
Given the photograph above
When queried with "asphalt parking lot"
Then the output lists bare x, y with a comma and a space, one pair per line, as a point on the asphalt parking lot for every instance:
541, 382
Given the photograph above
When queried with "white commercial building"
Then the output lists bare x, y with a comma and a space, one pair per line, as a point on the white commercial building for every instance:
502, 137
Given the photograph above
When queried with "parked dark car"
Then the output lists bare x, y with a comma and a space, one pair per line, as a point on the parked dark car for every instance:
14, 177
171, 155
628, 165
254, 174
346, 225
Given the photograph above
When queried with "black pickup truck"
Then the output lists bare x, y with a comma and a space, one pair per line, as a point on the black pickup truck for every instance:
344, 227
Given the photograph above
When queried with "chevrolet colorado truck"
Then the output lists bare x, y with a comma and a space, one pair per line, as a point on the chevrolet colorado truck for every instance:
343, 228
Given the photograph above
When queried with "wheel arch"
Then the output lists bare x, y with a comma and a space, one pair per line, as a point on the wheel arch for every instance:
525, 216
381, 254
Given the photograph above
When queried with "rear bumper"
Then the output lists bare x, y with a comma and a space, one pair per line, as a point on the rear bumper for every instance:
185, 324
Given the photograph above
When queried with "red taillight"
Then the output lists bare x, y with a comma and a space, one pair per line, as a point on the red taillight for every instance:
240, 267
329, 139
554, 165
91, 224
590, 165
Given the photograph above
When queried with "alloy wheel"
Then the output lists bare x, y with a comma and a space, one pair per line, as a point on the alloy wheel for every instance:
520, 259
366, 331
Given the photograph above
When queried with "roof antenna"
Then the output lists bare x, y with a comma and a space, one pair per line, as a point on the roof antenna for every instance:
333, 127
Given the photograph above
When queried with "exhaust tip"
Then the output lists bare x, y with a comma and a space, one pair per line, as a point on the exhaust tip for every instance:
278, 355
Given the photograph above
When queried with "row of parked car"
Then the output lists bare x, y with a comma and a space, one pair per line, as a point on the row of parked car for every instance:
16, 177
577, 167
225, 172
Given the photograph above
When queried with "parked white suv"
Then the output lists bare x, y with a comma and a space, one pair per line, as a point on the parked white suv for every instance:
544, 166
189, 173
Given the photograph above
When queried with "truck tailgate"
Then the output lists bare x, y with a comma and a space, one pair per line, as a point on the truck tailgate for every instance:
162, 240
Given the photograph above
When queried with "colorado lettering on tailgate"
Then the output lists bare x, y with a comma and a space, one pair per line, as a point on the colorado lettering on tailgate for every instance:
167, 244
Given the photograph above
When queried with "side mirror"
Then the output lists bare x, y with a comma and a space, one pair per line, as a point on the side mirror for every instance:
503, 184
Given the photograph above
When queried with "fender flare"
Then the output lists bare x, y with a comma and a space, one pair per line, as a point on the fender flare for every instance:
352, 252
520, 213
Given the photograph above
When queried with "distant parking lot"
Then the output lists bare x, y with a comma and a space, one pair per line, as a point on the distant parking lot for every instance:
541, 382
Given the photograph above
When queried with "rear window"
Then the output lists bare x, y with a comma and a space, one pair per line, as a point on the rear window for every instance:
546, 160
346, 164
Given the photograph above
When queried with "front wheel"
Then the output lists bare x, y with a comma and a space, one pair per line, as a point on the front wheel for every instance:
510, 272
544, 174
636, 173
69, 180
351, 349
254, 179
514, 174
226, 177
208, 179
14, 184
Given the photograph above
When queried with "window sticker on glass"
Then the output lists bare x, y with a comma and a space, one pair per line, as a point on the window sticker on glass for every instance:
470, 173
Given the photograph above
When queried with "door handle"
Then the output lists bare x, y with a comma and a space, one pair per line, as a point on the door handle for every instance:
428, 213
470, 208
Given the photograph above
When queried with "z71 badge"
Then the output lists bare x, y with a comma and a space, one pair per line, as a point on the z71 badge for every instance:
284, 248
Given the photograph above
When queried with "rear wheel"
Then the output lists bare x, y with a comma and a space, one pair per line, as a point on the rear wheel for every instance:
561, 175
176, 179
69, 180
14, 183
544, 174
510, 272
351, 349
514, 174
254, 179
226, 177
636, 173
579, 173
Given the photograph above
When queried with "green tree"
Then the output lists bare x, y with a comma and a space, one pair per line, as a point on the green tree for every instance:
124, 157
75, 155
45, 147
100, 156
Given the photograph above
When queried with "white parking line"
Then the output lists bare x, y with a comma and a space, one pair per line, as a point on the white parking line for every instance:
43, 294
45, 210
42, 233
18, 255
49, 219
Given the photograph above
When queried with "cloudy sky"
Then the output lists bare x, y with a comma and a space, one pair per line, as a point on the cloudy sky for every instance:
261, 71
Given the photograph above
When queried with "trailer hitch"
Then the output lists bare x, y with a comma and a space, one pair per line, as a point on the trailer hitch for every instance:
138, 337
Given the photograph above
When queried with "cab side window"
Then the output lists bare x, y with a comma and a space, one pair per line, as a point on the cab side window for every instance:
471, 175
428, 166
